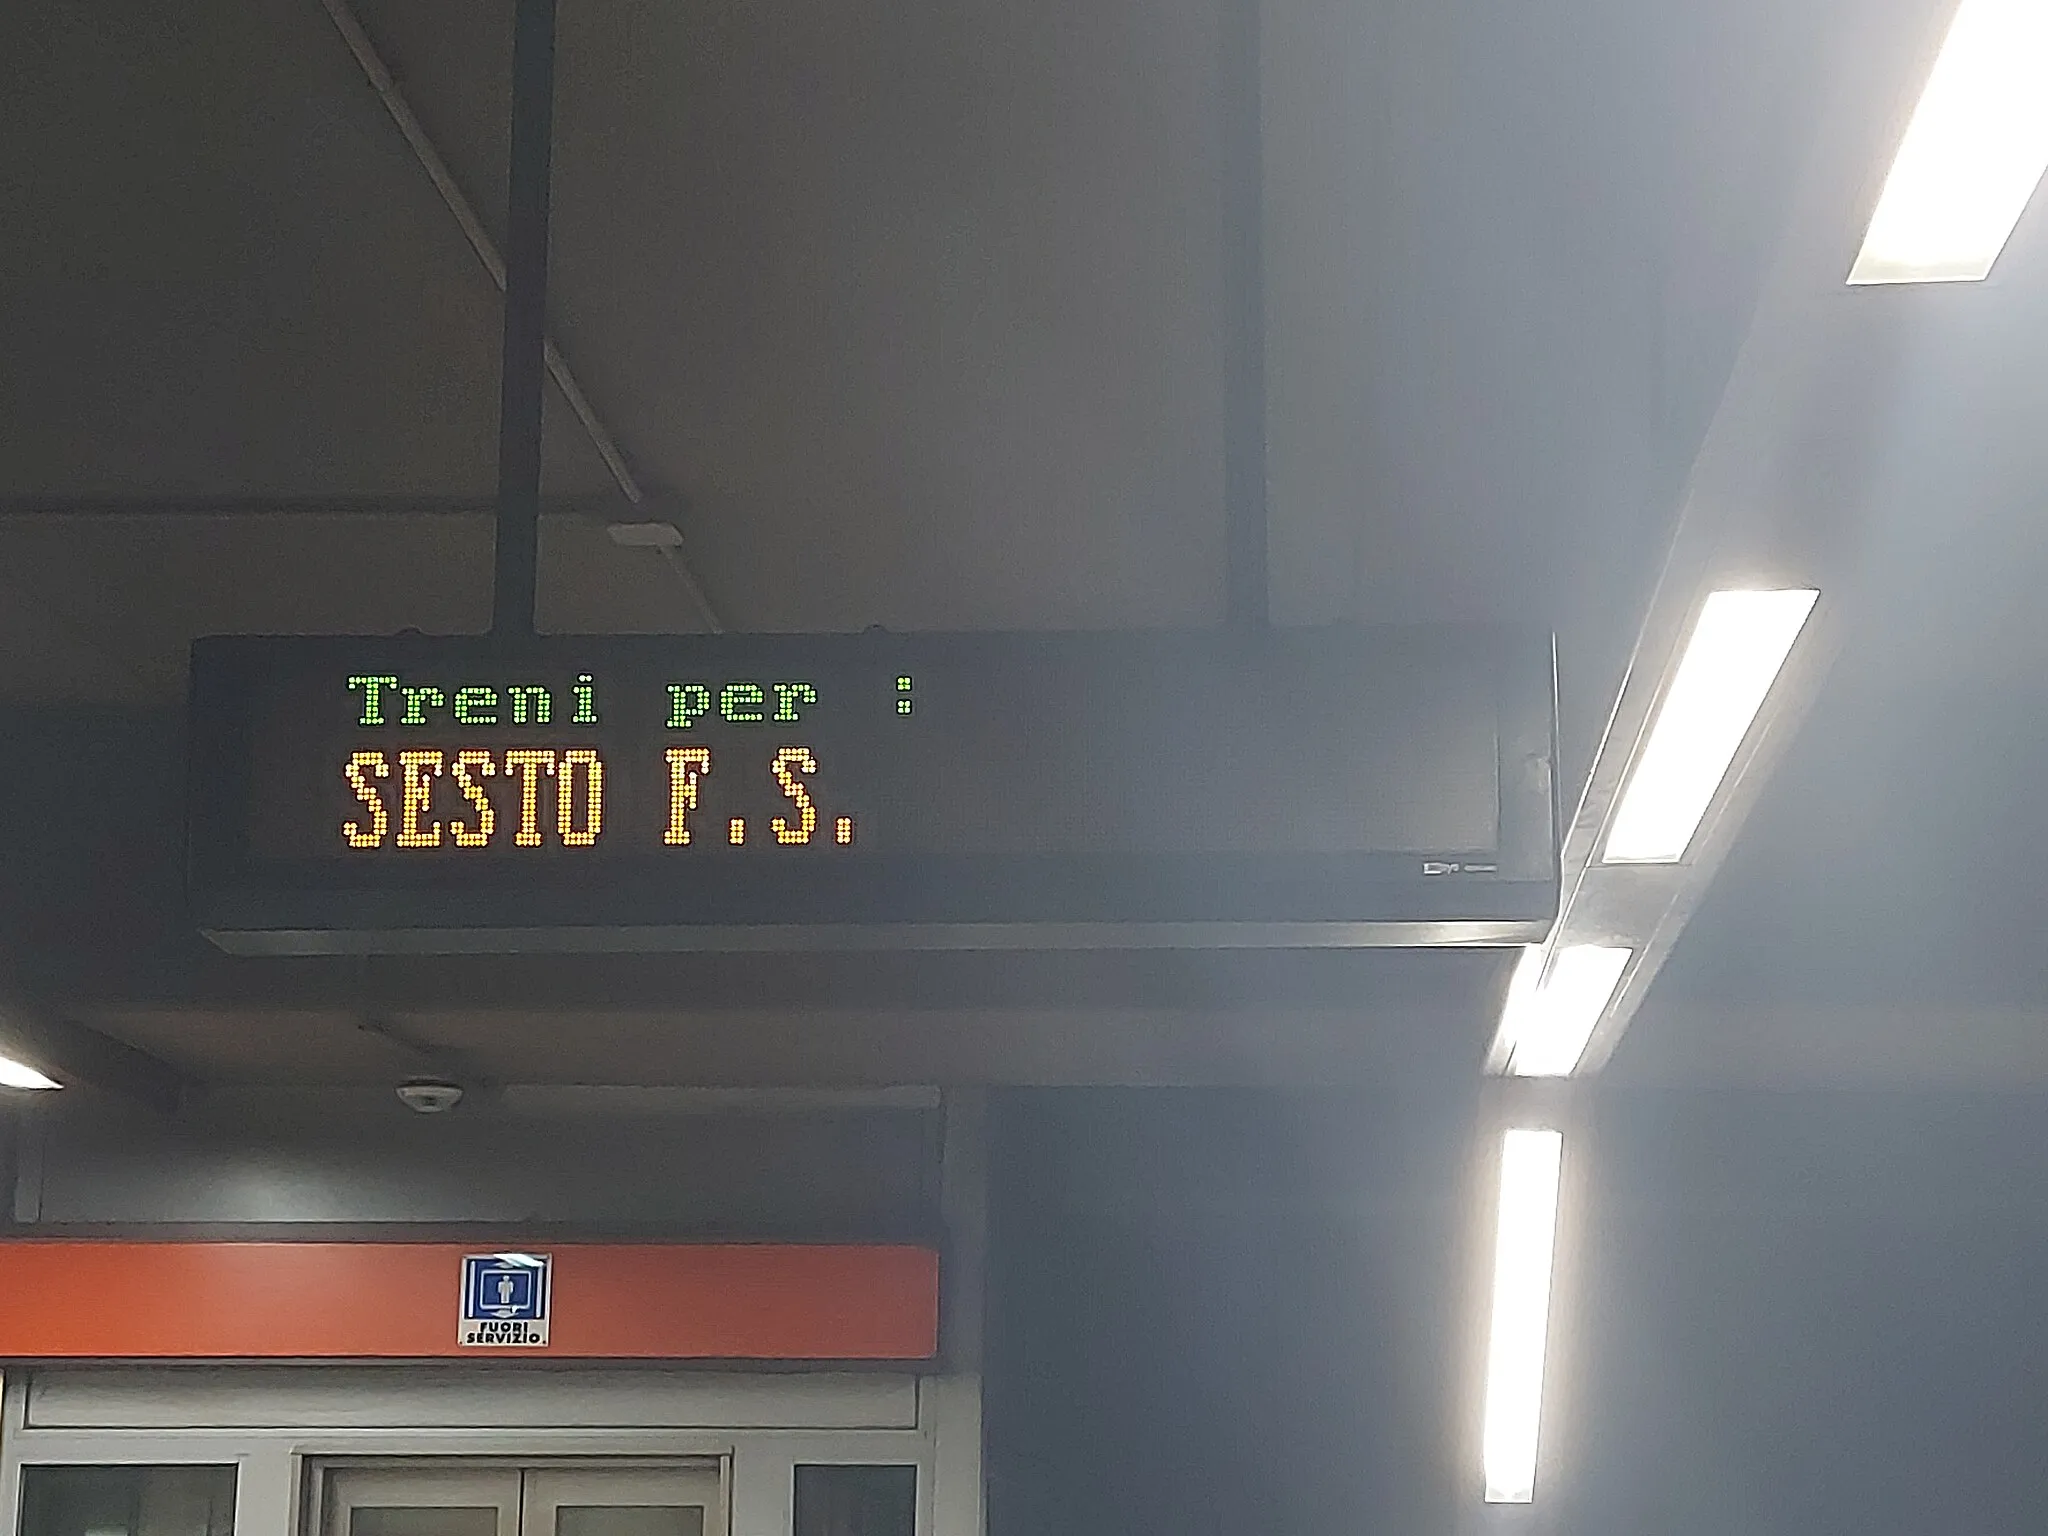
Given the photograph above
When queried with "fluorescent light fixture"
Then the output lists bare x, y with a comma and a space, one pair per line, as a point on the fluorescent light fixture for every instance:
19, 1074
1549, 1018
1972, 155
1736, 651
1525, 1239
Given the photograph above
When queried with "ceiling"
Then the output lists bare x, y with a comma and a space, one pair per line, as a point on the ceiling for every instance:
915, 316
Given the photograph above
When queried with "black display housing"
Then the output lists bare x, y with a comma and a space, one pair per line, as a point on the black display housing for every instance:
1341, 785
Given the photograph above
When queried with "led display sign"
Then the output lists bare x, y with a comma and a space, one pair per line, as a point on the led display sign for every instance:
1331, 785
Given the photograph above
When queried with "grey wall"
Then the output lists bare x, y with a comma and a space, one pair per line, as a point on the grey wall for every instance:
362, 1158
1809, 1313
1785, 1314
1222, 1312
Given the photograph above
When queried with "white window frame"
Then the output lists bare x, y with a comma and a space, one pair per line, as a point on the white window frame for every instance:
409, 1412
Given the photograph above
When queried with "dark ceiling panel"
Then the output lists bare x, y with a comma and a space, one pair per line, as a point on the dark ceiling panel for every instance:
1511, 254
917, 305
1896, 856
830, 1044
134, 588
239, 281
918, 308
139, 587
267, 1047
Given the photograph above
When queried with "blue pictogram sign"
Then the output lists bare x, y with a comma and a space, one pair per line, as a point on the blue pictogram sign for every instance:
505, 1299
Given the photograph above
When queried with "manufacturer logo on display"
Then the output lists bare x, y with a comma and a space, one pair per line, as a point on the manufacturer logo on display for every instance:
505, 1300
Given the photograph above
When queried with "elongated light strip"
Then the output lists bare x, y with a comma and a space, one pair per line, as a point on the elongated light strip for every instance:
19, 1074
1525, 1238
1972, 155
1547, 1020
1734, 655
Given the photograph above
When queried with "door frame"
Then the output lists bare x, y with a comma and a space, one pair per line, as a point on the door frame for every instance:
433, 1476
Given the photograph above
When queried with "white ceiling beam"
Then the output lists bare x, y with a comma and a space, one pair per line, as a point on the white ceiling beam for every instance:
1776, 497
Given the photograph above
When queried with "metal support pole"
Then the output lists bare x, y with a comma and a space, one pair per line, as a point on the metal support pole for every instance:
523, 382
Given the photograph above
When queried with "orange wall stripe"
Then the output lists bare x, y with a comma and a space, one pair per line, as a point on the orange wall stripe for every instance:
72, 1299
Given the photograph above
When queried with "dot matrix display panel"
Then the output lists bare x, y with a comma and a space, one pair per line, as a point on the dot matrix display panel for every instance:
654, 791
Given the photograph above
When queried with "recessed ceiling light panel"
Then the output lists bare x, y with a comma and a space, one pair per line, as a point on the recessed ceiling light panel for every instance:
1973, 152
1525, 1237
1734, 655
19, 1074
1549, 1017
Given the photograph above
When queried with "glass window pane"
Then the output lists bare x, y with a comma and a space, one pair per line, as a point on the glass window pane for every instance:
856, 1501
127, 1501
420, 1520
629, 1520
